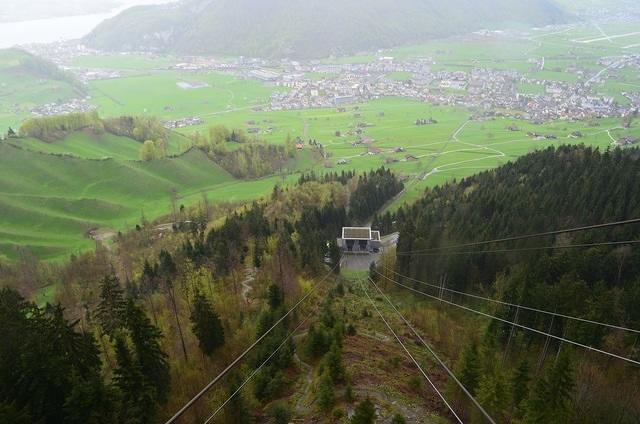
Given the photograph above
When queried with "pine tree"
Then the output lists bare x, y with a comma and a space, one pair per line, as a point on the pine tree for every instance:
550, 399
149, 357
37, 379
236, 411
274, 297
137, 397
206, 325
281, 413
11, 413
168, 272
316, 341
494, 395
333, 363
365, 413
398, 419
89, 402
110, 311
469, 367
148, 281
520, 386
325, 391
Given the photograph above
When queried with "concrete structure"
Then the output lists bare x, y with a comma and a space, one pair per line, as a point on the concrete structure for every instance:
359, 240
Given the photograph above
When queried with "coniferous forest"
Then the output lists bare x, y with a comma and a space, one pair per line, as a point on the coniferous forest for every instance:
137, 330
521, 375
151, 320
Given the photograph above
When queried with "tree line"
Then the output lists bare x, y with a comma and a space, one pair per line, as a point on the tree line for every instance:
243, 156
142, 321
143, 129
564, 187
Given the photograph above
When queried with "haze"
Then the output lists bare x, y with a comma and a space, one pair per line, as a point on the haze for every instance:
43, 21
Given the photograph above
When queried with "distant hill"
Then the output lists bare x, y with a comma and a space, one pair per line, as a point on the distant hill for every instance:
22, 63
27, 81
307, 28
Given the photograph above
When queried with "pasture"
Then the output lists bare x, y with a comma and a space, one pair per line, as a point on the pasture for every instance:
49, 201
52, 194
158, 94
90, 146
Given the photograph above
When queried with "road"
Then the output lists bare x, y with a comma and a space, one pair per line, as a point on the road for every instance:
596, 76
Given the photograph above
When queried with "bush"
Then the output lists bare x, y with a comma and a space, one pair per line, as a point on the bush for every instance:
351, 330
325, 391
365, 413
415, 383
349, 395
398, 419
280, 412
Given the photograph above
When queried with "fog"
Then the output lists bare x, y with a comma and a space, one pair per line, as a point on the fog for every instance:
21, 10
43, 21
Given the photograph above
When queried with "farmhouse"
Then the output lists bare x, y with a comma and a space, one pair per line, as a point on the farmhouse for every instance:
359, 240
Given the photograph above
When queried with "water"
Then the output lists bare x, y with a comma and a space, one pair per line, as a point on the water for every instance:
57, 29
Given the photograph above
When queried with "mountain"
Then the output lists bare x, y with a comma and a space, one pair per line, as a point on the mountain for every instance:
307, 28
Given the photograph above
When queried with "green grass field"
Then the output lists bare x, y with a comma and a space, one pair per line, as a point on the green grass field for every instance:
52, 194
21, 91
49, 202
89, 146
158, 94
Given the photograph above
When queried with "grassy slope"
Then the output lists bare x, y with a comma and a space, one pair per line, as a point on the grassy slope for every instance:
21, 90
90, 146
49, 202
54, 221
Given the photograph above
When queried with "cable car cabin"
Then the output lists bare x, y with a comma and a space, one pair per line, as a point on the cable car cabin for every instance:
359, 240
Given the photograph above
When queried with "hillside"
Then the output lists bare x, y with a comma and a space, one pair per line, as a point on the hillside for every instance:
307, 29
331, 345
48, 202
556, 188
591, 277
27, 81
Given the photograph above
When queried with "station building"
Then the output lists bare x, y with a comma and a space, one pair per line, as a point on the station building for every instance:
359, 240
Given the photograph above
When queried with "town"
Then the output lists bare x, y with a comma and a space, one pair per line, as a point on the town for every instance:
307, 85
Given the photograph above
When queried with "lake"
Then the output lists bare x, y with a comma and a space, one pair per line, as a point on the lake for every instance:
57, 29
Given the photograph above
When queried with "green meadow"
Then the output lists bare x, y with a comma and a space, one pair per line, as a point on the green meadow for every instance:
53, 194
90, 146
48, 202
21, 91
158, 94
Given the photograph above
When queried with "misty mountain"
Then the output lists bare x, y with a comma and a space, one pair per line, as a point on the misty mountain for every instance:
308, 28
